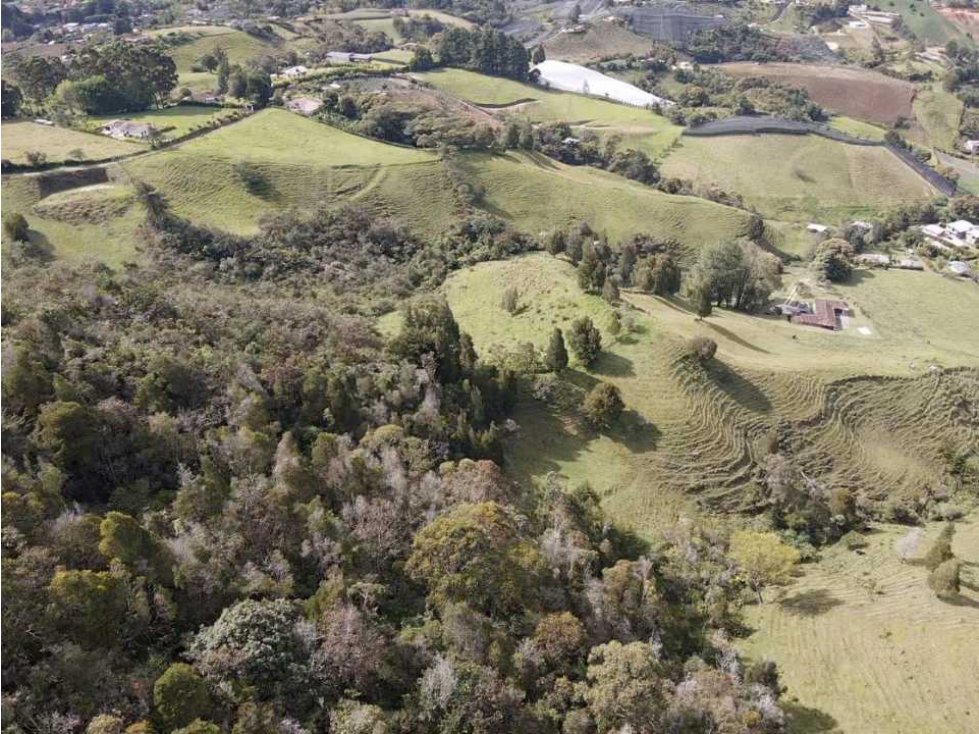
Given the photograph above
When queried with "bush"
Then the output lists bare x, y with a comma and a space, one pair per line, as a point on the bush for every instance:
510, 300
941, 550
15, 227
603, 405
702, 349
36, 158
944, 580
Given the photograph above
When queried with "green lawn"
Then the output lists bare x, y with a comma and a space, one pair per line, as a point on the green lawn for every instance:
857, 128
173, 122
798, 177
58, 143
639, 128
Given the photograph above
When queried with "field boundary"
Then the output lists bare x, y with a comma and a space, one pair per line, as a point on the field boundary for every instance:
744, 125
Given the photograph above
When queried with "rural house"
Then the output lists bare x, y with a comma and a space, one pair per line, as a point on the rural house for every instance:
960, 233
293, 72
826, 315
347, 57
128, 130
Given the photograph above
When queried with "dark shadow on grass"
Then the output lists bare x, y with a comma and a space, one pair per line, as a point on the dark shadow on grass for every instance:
960, 601
804, 720
810, 603
740, 389
613, 365
38, 246
635, 433
728, 334
859, 275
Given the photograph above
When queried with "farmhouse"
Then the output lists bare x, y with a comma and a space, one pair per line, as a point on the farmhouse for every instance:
971, 146
347, 57
293, 71
128, 130
826, 315
960, 233
304, 105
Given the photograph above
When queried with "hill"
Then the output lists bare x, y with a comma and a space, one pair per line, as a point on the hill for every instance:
855, 411
798, 177
638, 128
600, 40
863, 644
303, 164
58, 144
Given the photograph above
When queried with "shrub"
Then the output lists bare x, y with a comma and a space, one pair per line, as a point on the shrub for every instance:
603, 405
941, 550
510, 300
702, 349
36, 158
944, 580
15, 227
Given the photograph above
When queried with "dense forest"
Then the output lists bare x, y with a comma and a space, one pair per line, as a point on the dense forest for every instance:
230, 504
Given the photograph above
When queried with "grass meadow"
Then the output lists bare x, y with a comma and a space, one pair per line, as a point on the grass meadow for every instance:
863, 645
59, 144
799, 178
174, 122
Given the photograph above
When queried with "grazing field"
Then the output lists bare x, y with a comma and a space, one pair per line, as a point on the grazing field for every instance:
639, 128
864, 645
600, 41
173, 122
855, 411
96, 222
857, 128
938, 114
798, 177
539, 194
240, 46
927, 23
305, 164
58, 144
858, 93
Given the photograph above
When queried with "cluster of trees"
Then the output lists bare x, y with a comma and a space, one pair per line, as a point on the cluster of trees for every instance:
708, 88
557, 140
493, 12
733, 42
98, 79
231, 505
418, 28
737, 275
486, 50
833, 260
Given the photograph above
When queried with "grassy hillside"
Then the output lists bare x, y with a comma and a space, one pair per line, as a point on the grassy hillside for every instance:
174, 122
538, 194
305, 164
926, 22
639, 128
938, 114
97, 222
692, 439
798, 177
863, 644
58, 143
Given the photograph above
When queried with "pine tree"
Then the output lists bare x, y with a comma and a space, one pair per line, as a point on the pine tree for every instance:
610, 291
585, 340
557, 354
701, 302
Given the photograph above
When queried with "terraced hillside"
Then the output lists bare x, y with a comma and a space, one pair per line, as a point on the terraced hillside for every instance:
695, 437
863, 644
799, 177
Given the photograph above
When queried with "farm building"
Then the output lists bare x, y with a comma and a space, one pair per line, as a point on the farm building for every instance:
874, 259
292, 72
347, 57
128, 130
960, 233
826, 314
817, 228
304, 105
971, 146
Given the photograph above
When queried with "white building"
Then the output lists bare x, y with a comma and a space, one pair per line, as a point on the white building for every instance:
960, 233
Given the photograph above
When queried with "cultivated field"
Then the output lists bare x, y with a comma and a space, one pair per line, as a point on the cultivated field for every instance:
305, 164
58, 143
864, 95
865, 646
857, 411
638, 128
798, 177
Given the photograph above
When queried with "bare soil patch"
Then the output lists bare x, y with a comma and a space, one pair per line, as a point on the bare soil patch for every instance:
858, 93
964, 18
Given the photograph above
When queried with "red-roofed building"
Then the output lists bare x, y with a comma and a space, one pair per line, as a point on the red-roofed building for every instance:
826, 314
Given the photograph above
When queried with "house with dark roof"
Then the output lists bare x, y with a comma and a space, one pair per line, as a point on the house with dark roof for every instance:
826, 314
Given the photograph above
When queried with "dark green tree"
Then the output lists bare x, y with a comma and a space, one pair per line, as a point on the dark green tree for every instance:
557, 354
585, 340
603, 405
